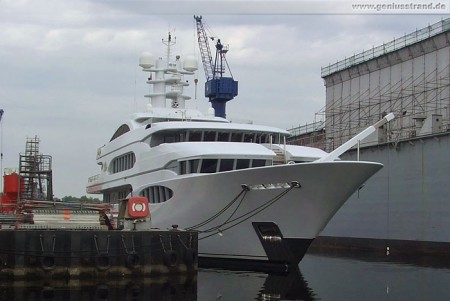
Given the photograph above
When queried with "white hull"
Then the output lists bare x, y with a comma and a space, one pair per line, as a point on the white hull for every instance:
301, 213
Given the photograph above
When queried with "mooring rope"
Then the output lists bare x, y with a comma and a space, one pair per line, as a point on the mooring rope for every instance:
242, 193
244, 217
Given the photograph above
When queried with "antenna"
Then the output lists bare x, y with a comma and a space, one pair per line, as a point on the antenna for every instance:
169, 43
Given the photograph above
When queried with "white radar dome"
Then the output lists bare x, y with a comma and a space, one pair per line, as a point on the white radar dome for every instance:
147, 60
190, 63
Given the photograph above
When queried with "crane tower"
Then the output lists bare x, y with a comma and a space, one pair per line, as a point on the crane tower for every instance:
218, 88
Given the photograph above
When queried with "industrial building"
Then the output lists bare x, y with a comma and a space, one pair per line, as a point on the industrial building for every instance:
404, 207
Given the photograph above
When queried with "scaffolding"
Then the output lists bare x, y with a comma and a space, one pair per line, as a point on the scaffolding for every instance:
310, 134
412, 100
362, 90
35, 172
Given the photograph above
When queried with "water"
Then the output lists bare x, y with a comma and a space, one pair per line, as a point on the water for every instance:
319, 278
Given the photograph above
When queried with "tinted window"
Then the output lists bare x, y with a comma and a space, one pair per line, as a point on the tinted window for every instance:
209, 136
236, 137
120, 131
262, 138
209, 166
169, 139
226, 164
258, 163
242, 163
193, 165
249, 137
223, 137
195, 136
182, 167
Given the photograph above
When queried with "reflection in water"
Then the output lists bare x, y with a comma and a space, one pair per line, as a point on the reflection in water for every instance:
228, 285
377, 278
212, 285
319, 278
174, 288
329, 278
286, 287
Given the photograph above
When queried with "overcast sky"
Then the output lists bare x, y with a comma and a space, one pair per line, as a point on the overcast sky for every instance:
69, 69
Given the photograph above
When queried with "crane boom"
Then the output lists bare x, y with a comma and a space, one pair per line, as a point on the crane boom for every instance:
218, 88
205, 51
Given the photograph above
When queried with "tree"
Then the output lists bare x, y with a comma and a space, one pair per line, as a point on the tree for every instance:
84, 199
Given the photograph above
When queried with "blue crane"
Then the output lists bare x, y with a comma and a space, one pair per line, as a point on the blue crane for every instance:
218, 88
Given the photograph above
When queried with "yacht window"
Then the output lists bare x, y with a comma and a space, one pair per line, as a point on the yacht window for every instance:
209, 136
120, 131
226, 164
209, 166
182, 167
236, 137
242, 163
224, 136
258, 163
249, 137
195, 136
157, 194
171, 137
262, 138
123, 162
154, 197
183, 137
193, 165
156, 140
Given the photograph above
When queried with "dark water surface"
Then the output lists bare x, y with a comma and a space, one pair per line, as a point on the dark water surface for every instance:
319, 277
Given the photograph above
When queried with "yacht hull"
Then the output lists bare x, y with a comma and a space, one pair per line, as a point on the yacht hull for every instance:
224, 207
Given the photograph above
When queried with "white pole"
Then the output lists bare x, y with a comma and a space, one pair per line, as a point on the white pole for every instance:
350, 143
357, 153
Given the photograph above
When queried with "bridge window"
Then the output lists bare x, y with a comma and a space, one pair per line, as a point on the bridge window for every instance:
249, 137
217, 165
223, 136
171, 136
195, 136
226, 164
242, 163
236, 137
258, 163
210, 136
209, 166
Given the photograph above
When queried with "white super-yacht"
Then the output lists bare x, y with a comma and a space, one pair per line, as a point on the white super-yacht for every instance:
249, 194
